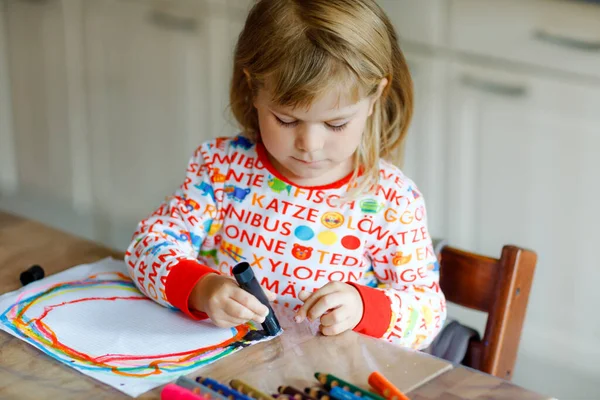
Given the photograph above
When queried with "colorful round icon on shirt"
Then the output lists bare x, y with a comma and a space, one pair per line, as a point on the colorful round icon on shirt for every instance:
327, 238
332, 219
350, 242
304, 232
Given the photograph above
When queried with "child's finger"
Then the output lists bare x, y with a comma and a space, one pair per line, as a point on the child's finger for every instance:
334, 329
251, 303
325, 303
337, 316
228, 322
303, 295
235, 310
315, 297
237, 321
270, 295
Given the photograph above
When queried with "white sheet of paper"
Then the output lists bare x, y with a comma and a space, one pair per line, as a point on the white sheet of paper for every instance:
93, 318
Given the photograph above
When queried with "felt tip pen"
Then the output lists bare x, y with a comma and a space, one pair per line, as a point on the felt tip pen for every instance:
244, 275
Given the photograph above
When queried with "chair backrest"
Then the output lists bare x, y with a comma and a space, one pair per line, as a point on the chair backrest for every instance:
499, 287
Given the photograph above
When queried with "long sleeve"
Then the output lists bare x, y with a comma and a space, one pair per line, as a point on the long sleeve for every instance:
408, 308
162, 257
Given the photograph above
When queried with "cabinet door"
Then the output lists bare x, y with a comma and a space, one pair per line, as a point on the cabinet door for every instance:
524, 170
222, 28
8, 167
422, 21
424, 152
158, 86
36, 73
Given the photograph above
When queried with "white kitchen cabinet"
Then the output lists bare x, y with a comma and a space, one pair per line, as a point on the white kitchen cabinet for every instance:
552, 34
523, 169
422, 21
424, 152
222, 29
36, 76
158, 81
40, 80
103, 101
9, 180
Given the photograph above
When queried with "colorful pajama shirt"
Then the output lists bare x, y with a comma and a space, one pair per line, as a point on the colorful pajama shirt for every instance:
235, 206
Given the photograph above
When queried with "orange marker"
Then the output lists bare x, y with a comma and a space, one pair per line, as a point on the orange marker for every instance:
385, 387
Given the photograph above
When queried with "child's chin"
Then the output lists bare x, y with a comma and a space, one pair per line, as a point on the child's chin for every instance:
310, 173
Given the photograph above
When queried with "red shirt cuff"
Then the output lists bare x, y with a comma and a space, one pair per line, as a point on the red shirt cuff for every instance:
181, 281
377, 311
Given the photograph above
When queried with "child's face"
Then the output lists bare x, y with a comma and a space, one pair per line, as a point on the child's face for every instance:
314, 146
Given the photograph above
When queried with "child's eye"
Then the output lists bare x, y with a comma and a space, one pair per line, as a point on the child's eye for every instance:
285, 124
337, 128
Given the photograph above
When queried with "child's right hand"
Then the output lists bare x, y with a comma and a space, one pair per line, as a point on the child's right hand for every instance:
226, 303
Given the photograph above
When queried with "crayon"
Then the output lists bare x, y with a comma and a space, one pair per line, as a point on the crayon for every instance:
195, 387
294, 393
172, 391
317, 393
226, 391
248, 390
330, 381
340, 394
385, 387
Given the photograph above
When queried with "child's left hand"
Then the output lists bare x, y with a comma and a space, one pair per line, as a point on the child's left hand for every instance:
337, 304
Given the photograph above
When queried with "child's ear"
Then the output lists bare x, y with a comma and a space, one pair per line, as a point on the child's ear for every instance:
380, 88
249, 81
247, 76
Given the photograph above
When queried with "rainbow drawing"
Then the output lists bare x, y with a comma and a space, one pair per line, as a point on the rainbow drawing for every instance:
88, 319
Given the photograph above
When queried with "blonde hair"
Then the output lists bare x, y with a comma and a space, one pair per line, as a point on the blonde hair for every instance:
304, 48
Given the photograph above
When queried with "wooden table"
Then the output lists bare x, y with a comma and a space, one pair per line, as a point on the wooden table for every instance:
292, 358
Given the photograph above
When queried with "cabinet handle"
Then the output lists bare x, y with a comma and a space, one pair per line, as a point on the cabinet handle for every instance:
35, 1
496, 88
565, 41
169, 21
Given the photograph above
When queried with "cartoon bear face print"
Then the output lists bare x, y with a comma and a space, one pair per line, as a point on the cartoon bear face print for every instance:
301, 252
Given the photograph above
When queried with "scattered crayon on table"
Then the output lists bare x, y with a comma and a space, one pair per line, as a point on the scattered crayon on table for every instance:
172, 391
248, 390
385, 387
330, 381
195, 387
220, 388
340, 394
317, 393
294, 393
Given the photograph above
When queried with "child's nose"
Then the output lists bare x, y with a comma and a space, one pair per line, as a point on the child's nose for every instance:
309, 139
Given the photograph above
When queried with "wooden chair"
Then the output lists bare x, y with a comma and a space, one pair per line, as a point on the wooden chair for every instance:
499, 287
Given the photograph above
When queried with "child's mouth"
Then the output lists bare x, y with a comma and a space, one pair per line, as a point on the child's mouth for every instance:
307, 162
